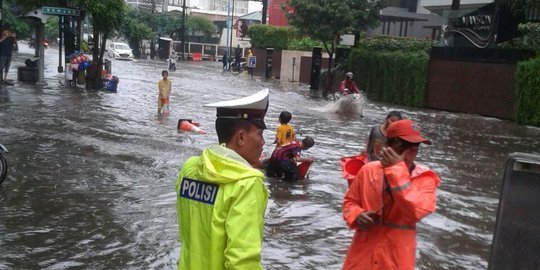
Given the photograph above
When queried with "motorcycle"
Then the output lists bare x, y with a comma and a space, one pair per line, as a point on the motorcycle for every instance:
350, 103
3, 163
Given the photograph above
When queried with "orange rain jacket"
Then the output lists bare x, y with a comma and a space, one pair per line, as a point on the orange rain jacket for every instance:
391, 242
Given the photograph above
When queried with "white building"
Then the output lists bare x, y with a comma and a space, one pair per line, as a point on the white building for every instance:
241, 7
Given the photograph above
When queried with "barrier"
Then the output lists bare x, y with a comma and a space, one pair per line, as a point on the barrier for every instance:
351, 165
196, 56
188, 125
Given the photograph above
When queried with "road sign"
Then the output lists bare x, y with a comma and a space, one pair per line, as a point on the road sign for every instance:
61, 11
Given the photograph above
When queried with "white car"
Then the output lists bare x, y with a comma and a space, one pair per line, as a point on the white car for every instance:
120, 51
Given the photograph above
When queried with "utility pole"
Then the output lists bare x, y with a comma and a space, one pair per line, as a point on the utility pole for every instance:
232, 25
228, 25
264, 11
183, 29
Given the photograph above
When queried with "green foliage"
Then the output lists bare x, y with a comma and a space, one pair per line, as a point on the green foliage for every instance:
366, 13
303, 44
322, 20
529, 39
266, 36
201, 24
392, 76
168, 23
10, 19
387, 43
135, 29
51, 28
327, 20
106, 15
527, 107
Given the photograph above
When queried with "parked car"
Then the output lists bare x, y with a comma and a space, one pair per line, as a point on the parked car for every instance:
120, 50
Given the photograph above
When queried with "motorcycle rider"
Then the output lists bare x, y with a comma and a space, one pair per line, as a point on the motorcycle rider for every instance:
348, 86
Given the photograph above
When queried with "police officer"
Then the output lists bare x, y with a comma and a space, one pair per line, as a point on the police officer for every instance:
221, 198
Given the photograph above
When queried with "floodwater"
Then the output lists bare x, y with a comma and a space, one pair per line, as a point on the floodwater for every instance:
92, 174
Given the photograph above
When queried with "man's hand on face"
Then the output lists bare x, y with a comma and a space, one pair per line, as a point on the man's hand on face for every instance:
389, 157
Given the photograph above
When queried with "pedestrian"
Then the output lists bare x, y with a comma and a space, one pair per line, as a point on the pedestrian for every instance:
221, 197
172, 61
8, 43
238, 58
164, 91
284, 160
147, 51
225, 61
285, 133
386, 200
377, 136
251, 63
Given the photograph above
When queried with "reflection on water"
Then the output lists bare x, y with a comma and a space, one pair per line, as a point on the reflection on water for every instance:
92, 174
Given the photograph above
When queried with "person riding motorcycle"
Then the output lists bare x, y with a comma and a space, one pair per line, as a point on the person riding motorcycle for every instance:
348, 86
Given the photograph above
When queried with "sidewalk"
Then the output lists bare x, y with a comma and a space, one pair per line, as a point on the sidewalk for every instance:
51, 75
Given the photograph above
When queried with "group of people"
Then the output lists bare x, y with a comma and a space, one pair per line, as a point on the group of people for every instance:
286, 156
221, 195
236, 65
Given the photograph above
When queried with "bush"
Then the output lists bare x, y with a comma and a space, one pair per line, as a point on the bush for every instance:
266, 36
527, 106
386, 43
302, 44
392, 76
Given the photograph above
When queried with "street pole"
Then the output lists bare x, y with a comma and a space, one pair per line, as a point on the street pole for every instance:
183, 29
264, 11
60, 42
232, 25
228, 30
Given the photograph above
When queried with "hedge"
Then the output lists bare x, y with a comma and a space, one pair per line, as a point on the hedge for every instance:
392, 76
266, 36
527, 106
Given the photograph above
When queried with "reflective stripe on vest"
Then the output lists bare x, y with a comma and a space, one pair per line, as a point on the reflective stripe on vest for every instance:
401, 188
401, 227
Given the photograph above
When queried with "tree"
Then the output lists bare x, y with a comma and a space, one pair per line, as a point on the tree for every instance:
135, 29
328, 20
169, 23
106, 17
201, 24
366, 15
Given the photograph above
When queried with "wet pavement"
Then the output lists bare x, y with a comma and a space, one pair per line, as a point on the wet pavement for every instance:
92, 174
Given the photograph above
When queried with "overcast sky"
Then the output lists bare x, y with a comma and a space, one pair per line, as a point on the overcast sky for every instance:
254, 6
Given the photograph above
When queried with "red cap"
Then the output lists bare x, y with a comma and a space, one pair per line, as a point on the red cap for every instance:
407, 130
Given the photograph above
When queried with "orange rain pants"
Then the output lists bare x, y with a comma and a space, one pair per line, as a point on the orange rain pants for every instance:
406, 199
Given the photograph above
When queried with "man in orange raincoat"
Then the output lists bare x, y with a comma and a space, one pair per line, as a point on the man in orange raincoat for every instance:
386, 200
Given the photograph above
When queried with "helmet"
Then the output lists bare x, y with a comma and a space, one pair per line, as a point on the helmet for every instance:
349, 75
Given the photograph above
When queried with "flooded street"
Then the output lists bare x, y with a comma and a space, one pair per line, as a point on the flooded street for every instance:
92, 174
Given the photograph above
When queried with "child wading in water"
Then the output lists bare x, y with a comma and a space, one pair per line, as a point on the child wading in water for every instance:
285, 133
164, 90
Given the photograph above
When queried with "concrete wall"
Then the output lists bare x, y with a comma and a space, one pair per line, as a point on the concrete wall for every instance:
287, 65
469, 80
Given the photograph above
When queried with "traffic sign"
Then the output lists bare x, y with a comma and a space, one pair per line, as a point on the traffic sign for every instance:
61, 11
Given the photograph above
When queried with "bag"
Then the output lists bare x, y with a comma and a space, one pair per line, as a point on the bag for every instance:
165, 109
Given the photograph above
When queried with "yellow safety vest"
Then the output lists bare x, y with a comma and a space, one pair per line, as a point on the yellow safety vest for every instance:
221, 202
